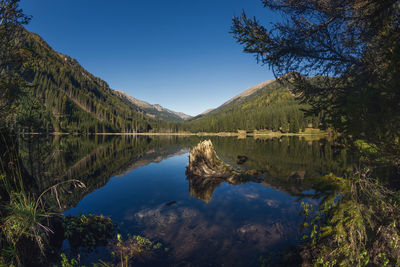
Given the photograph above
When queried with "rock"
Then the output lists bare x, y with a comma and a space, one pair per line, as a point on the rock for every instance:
169, 203
298, 175
241, 159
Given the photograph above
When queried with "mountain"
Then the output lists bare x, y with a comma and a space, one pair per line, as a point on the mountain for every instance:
62, 96
248, 92
154, 111
266, 106
207, 111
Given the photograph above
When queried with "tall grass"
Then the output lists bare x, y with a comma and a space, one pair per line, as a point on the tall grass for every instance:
25, 219
24, 224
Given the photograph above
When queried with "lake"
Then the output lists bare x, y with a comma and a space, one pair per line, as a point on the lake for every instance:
140, 182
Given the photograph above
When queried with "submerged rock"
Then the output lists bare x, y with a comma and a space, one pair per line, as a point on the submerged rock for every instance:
298, 174
241, 159
170, 203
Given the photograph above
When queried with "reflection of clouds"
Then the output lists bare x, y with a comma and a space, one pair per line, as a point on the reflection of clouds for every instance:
263, 234
163, 215
221, 238
184, 229
271, 203
251, 195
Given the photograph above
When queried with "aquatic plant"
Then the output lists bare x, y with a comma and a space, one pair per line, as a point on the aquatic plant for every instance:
65, 262
88, 231
132, 247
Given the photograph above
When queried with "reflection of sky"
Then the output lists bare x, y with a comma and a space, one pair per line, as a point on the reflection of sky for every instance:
239, 224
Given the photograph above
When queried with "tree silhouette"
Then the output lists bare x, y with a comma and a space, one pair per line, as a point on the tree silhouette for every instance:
351, 48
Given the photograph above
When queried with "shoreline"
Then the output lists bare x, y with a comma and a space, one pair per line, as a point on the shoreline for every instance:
225, 134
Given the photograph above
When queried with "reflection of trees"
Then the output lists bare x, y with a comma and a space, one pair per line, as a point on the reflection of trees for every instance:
356, 221
291, 164
282, 156
91, 159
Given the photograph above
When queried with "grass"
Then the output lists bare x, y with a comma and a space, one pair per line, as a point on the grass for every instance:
24, 226
25, 220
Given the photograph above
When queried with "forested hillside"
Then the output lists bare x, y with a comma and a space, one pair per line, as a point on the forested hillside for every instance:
62, 96
269, 106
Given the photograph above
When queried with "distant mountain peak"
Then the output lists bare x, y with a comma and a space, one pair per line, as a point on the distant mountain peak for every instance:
154, 111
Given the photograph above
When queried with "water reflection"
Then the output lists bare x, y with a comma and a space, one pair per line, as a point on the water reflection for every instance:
289, 164
140, 183
91, 159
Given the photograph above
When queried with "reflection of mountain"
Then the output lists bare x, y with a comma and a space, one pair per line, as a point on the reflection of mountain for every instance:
288, 164
93, 161
148, 157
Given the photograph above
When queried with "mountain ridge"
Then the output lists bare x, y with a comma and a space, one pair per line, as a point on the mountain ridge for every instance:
152, 109
269, 105
68, 98
247, 92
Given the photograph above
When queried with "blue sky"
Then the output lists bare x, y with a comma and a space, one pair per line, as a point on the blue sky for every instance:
176, 53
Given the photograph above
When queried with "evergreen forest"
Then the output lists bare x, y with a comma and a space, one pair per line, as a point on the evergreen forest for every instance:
59, 95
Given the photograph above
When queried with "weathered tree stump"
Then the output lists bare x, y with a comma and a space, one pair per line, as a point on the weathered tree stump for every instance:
204, 162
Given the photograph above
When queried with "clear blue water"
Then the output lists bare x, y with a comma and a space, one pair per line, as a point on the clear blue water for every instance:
146, 192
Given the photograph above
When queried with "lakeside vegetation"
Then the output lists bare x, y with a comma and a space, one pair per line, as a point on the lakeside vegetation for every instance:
239, 133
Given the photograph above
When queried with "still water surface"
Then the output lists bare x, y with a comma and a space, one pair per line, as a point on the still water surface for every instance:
140, 183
